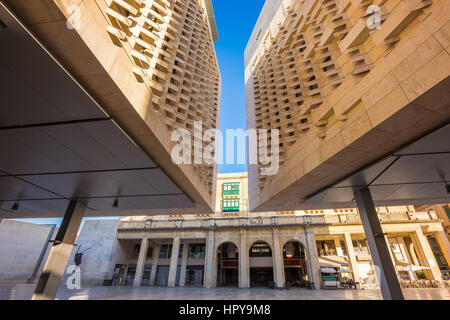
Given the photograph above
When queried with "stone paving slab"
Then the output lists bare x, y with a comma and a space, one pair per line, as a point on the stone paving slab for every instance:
25, 291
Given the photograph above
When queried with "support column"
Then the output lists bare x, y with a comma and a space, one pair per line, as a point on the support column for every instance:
54, 268
389, 249
141, 263
429, 256
174, 262
351, 256
155, 259
421, 258
277, 256
209, 254
244, 279
184, 258
314, 274
387, 277
412, 252
337, 245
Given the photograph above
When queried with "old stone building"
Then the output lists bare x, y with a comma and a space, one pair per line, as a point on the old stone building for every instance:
233, 247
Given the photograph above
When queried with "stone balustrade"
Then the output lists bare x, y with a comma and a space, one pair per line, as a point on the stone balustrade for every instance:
272, 221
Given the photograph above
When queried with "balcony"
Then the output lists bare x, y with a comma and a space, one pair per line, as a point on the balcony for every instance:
220, 223
327, 252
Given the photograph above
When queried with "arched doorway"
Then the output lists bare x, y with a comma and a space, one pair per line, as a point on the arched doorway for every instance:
294, 263
227, 265
261, 264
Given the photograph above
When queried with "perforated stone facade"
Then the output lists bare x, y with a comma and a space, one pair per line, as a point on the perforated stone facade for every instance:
341, 94
172, 50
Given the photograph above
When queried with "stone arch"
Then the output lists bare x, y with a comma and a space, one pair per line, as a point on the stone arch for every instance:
228, 255
295, 238
267, 241
295, 264
222, 241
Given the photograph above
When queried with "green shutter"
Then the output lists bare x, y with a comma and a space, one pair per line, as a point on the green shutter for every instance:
230, 205
231, 189
447, 210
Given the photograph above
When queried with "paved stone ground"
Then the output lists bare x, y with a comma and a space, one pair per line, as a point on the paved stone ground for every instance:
25, 291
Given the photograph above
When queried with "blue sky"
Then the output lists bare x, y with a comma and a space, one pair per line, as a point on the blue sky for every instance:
235, 21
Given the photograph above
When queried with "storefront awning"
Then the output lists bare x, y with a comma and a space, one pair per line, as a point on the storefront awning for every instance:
332, 262
327, 270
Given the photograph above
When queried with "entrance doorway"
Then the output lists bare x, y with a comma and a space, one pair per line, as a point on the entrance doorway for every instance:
294, 263
131, 271
261, 277
261, 264
194, 276
162, 276
146, 275
227, 265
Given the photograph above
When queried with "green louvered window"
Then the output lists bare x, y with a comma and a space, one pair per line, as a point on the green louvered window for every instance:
230, 205
231, 189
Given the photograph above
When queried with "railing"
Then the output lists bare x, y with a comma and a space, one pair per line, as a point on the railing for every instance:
346, 218
222, 223
273, 221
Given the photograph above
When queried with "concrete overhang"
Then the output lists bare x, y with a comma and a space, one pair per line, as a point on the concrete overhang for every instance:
410, 171
262, 26
61, 143
414, 175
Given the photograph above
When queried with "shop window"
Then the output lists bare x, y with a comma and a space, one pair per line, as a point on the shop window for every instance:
326, 248
137, 249
438, 254
165, 251
197, 250
260, 249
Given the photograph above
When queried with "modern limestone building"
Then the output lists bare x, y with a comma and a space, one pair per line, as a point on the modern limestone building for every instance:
233, 247
91, 92
344, 95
